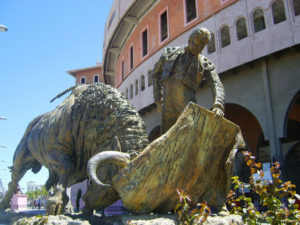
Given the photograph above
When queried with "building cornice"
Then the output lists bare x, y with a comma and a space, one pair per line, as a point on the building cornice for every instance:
73, 72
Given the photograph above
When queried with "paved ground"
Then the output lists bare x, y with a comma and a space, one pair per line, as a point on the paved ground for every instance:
30, 211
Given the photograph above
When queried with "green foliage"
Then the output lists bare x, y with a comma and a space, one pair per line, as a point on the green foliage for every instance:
32, 195
187, 216
271, 196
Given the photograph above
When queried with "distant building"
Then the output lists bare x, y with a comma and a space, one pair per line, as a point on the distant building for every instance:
88, 75
2, 190
32, 186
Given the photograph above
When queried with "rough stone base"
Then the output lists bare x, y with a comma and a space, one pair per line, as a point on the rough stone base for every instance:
79, 219
51, 220
224, 220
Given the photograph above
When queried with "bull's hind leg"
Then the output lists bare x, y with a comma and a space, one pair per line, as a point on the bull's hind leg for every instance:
23, 161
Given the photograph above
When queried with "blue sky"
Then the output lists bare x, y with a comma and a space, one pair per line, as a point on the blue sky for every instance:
45, 38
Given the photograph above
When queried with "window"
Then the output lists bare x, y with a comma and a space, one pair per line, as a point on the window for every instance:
190, 10
131, 91
258, 20
211, 46
164, 33
142, 82
131, 57
126, 93
241, 28
225, 36
122, 69
278, 11
144, 42
111, 18
96, 78
223, 1
296, 4
150, 78
136, 87
82, 80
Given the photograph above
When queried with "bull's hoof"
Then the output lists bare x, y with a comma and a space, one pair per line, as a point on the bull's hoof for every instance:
69, 209
87, 211
54, 207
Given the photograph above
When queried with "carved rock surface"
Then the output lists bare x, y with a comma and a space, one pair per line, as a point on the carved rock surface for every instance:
51, 220
195, 155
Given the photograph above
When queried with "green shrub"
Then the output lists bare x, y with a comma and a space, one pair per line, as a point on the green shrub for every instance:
272, 195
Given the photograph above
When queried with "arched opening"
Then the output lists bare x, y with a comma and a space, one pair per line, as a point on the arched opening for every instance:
296, 4
248, 123
278, 11
252, 133
292, 116
136, 87
292, 162
258, 20
78, 197
150, 78
241, 28
155, 133
126, 93
291, 142
211, 46
225, 36
131, 91
142, 82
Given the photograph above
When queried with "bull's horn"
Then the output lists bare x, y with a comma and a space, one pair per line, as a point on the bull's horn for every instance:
119, 159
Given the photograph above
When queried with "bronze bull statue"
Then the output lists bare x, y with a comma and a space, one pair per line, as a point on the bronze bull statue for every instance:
93, 119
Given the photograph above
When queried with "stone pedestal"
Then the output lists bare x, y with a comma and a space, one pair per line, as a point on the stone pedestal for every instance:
19, 202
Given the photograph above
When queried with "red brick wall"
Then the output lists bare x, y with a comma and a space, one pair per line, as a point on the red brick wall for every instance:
89, 75
206, 8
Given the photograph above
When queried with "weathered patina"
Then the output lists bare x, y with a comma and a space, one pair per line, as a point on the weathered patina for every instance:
94, 118
178, 74
196, 155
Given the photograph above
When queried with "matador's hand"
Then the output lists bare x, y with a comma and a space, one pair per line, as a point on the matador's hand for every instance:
219, 112
159, 106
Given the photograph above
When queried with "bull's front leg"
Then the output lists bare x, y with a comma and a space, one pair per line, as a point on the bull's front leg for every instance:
59, 203
55, 203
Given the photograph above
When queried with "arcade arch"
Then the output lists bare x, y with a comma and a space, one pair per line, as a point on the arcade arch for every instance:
248, 123
155, 133
291, 142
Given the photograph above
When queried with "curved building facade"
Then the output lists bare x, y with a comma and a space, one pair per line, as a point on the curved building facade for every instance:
254, 45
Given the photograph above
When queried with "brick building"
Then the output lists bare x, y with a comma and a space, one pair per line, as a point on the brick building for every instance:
87, 75
255, 47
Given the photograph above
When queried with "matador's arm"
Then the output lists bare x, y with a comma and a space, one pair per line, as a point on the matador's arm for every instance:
218, 90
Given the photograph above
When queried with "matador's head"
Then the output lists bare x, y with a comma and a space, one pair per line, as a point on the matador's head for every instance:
198, 39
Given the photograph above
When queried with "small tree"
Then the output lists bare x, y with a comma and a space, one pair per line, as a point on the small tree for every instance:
39, 193
272, 196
